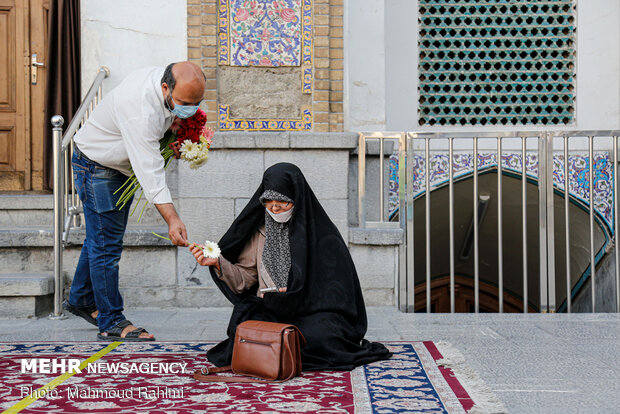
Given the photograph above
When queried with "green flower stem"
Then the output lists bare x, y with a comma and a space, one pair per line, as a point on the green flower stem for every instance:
166, 238
125, 184
143, 208
136, 206
161, 237
129, 191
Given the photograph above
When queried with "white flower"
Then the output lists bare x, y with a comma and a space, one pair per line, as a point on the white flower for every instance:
211, 250
189, 150
201, 156
197, 163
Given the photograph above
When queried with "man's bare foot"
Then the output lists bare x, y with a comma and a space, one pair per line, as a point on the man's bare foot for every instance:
130, 328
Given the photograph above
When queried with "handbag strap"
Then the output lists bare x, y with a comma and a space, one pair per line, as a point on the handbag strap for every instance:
204, 374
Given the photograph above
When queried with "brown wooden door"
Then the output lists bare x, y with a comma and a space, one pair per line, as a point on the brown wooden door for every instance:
23, 32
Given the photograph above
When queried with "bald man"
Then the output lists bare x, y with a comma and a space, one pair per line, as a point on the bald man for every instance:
122, 136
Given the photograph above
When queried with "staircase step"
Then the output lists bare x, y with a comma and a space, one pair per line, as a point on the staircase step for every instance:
44, 237
25, 306
26, 209
20, 210
26, 284
26, 202
25, 295
30, 250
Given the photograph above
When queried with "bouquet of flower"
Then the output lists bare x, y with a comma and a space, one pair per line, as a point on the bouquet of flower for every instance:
188, 139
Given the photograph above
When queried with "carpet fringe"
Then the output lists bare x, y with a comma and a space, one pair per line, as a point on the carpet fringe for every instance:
486, 402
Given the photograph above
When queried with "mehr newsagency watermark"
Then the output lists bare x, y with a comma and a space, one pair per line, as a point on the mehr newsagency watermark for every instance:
85, 392
75, 366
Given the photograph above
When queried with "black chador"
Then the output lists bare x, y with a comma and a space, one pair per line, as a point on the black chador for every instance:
323, 297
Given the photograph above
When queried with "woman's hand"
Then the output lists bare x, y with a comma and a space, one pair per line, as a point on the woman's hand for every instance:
196, 250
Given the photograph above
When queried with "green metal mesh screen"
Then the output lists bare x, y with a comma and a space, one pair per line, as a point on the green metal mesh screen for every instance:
496, 62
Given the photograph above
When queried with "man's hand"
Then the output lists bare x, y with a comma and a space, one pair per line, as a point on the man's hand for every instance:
177, 233
176, 229
196, 250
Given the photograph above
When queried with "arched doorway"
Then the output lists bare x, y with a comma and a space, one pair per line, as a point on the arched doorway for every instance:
464, 297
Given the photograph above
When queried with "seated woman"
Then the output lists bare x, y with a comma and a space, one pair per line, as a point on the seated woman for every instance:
283, 260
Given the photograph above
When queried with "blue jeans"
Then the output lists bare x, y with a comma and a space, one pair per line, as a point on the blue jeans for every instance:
96, 277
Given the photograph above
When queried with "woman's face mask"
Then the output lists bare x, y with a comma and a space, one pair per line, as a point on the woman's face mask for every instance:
282, 217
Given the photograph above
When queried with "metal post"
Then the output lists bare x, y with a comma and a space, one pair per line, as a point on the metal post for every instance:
500, 237
427, 197
451, 213
476, 253
57, 122
569, 298
551, 294
616, 247
524, 217
361, 180
410, 286
381, 210
592, 253
546, 223
542, 220
403, 205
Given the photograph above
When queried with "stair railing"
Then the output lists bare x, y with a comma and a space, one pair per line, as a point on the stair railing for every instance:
67, 205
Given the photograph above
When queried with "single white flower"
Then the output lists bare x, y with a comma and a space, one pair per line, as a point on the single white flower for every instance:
189, 150
211, 250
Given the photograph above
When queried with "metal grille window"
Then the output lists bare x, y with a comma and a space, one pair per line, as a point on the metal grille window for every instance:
496, 62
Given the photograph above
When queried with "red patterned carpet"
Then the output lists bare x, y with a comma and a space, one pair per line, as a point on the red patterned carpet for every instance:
411, 381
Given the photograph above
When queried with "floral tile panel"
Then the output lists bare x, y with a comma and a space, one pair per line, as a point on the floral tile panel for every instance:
265, 32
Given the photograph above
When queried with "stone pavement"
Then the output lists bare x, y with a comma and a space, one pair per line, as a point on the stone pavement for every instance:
535, 363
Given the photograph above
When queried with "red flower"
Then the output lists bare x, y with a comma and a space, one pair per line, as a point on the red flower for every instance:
192, 127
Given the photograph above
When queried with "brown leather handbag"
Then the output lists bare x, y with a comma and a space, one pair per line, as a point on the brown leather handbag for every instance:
267, 351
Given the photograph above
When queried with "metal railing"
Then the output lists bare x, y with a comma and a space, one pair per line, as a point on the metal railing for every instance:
67, 205
412, 144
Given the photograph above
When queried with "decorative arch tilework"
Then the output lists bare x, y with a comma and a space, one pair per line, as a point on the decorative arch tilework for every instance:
496, 62
578, 167
228, 124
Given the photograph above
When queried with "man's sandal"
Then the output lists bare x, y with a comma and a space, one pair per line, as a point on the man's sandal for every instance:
84, 313
114, 334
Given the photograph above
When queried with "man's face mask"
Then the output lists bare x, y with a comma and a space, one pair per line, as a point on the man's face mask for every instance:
281, 217
182, 111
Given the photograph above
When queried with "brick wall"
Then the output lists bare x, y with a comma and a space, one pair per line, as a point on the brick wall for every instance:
202, 49
328, 65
